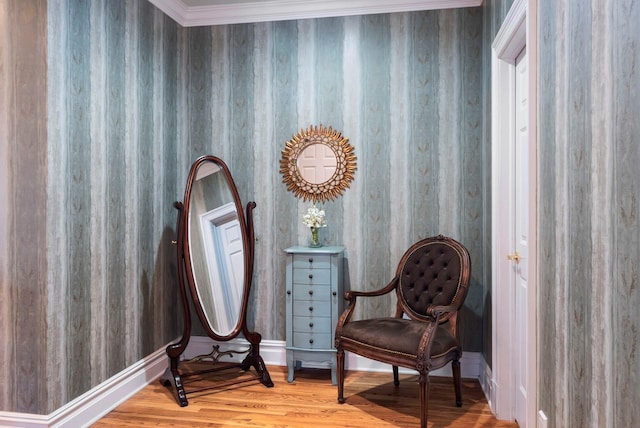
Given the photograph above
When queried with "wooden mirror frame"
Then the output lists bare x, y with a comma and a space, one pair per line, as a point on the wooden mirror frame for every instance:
345, 164
174, 374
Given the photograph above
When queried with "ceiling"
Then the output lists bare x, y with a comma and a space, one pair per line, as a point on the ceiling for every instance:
193, 13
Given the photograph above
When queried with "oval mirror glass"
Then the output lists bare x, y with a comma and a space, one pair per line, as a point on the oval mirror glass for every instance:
216, 248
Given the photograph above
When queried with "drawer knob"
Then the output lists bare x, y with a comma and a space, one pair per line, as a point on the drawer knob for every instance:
311, 292
311, 324
311, 341
289, 292
310, 276
310, 259
310, 308
334, 293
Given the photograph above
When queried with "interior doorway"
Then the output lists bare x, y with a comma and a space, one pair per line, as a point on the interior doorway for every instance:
513, 393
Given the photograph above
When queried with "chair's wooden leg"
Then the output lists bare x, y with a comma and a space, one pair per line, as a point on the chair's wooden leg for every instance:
455, 368
340, 364
396, 379
424, 397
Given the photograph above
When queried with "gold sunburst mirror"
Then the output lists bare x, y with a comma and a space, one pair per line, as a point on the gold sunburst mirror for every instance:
318, 164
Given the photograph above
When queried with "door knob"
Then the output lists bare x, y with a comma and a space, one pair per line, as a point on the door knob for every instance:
514, 257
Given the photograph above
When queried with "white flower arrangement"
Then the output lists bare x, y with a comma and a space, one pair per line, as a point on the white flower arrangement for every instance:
314, 218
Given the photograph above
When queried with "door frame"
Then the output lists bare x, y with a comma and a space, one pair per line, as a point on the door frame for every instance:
518, 30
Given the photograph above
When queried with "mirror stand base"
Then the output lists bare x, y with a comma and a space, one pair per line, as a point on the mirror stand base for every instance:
172, 379
261, 369
202, 365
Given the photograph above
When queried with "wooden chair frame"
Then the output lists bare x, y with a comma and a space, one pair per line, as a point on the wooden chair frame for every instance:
433, 320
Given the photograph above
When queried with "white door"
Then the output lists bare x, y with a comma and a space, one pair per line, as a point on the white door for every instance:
222, 238
521, 239
233, 253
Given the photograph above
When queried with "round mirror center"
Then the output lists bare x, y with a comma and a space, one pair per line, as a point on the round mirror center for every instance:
317, 163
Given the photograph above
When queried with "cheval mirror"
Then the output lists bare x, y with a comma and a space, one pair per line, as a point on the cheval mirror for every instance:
215, 254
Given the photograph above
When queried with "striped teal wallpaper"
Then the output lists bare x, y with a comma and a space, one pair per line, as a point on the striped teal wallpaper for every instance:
112, 144
23, 205
133, 99
406, 89
589, 233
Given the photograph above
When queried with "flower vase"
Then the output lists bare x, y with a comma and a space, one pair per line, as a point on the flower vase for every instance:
315, 241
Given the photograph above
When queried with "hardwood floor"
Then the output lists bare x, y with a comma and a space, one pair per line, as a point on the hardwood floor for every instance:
310, 401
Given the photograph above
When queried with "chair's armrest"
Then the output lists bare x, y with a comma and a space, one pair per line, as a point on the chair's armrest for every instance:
437, 311
352, 295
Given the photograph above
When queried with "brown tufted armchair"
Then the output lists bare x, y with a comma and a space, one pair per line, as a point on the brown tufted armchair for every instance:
431, 284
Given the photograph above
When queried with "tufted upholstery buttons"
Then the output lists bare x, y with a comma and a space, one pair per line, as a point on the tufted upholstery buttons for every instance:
424, 281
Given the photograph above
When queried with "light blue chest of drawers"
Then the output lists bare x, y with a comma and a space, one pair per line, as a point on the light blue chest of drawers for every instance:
315, 300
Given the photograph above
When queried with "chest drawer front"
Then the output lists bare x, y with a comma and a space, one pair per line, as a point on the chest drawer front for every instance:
306, 308
312, 325
312, 340
312, 293
311, 276
311, 261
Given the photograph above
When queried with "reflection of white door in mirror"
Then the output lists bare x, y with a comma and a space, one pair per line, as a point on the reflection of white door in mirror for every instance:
317, 163
222, 239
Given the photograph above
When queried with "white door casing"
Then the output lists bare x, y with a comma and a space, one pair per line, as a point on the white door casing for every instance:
517, 32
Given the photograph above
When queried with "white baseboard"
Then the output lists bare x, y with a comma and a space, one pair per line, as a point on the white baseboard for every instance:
23, 420
97, 402
487, 383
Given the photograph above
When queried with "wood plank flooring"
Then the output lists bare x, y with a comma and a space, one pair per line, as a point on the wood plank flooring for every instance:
310, 401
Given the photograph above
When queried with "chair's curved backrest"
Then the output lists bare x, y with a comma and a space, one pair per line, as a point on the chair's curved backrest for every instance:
433, 272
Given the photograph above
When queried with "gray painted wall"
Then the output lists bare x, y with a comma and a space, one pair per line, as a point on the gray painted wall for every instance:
129, 100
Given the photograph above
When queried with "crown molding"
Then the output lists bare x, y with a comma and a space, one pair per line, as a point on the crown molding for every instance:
280, 10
